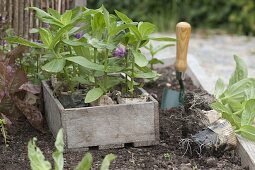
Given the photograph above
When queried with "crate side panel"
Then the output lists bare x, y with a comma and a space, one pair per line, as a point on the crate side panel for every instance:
52, 110
116, 124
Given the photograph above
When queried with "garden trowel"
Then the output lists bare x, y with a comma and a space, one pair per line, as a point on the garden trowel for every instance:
172, 98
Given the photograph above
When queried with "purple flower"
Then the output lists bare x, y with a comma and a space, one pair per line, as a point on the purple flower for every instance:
3, 43
46, 25
78, 35
120, 52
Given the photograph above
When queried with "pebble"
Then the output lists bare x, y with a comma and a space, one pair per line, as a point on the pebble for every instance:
211, 161
185, 167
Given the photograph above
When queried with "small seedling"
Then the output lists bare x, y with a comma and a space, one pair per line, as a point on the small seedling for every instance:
168, 156
38, 162
3, 130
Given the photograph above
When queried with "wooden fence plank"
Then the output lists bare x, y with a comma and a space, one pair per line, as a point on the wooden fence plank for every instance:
13, 15
21, 17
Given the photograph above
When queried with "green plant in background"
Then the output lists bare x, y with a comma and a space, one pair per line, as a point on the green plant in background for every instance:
236, 102
234, 16
93, 47
3, 130
153, 51
38, 162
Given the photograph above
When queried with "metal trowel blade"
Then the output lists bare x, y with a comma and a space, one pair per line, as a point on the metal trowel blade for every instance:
170, 99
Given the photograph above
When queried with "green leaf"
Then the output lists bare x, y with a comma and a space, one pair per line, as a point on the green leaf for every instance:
93, 95
219, 88
163, 39
127, 20
85, 163
82, 61
148, 75
155, 61
66, 17
55, 65
74, 42
235, 106
146, 28
107, 161
60, 34
23, 41
240, 71
58, 153
219, 107
98, 24
140, 59
237, 91
249, 93
45, 36
54, 13
248, 114
123, 17
248, 132
45, 17
36, 157
106, 85
116, 30
106, 18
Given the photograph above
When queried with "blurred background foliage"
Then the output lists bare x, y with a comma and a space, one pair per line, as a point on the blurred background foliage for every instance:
233, 16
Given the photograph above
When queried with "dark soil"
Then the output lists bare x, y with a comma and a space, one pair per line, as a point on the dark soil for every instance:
167, 155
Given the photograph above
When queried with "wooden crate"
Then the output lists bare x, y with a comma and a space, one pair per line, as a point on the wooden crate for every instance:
103, 126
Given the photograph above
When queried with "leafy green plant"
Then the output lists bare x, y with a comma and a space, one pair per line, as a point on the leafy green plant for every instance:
153, 51
93, 47
38, 162
236, 102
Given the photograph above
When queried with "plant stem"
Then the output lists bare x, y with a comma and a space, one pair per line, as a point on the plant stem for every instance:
95, 61
105, 67
126, 76
133, 69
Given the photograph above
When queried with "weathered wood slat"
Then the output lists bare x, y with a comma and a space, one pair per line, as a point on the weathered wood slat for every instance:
21, 17
246, 150
16, 17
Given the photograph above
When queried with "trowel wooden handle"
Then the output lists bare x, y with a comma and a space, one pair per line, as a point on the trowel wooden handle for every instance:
183, 30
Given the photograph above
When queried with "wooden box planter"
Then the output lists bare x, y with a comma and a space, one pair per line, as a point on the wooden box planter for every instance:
103, 126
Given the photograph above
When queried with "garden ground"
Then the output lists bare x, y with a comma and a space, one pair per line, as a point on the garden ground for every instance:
167, 155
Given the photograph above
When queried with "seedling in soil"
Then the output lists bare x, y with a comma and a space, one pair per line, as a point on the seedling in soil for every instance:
3, 130
37, 159
168, 156
154, 50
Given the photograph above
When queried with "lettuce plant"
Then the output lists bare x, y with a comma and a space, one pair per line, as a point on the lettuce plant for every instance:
236, 101
16, 91
84, 47
38, 162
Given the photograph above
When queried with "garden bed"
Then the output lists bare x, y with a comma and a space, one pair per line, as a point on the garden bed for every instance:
167, 155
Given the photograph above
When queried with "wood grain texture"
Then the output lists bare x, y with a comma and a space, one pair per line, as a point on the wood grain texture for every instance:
117, 124
104, 126
183, 30
52, 109
246, 150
